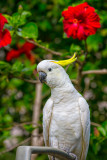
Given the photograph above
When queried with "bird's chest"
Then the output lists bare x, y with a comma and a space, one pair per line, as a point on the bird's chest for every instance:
65, 119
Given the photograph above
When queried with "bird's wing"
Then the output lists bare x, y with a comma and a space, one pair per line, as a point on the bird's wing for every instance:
47, 114
85, 122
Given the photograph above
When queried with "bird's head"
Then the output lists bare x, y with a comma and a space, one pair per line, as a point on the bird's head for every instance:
51, 72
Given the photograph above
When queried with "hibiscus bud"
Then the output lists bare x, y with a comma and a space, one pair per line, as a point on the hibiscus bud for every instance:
20, 9
96, 132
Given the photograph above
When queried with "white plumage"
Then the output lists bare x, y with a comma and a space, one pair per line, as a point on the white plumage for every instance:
66, 116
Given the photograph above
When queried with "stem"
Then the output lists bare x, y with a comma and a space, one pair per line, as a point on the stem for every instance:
80, 68
86, 48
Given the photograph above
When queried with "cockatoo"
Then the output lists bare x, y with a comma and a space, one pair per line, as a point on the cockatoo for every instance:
66, 115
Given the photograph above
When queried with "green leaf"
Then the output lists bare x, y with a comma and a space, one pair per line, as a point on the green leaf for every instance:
82, 58
64, 35
4, 65
7, 118
23, 17
25, 14
96, 148
30, 30
17, 66
29, 128
105, 126
9, 18
94, 41
16, 18
7, 26
75, 48
45, 25
102, 131
61, 19
29, 70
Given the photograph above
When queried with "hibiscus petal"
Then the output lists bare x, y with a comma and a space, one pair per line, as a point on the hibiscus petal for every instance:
28, 46
5, 38
12, 54
66, 14
24, 49
72, 31
3, 20
81, 33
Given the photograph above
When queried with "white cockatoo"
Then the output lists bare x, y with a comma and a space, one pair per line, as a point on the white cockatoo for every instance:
66, 116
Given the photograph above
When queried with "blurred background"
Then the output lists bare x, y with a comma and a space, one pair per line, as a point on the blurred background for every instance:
22, 101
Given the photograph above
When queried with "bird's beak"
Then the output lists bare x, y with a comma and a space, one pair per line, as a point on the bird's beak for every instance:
42, 76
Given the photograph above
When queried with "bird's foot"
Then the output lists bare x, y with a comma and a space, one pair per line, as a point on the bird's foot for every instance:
73, 155
53, 158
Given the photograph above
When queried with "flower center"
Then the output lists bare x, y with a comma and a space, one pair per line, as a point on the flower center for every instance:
75, 21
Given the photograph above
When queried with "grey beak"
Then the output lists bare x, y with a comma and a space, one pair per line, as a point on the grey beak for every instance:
42, 76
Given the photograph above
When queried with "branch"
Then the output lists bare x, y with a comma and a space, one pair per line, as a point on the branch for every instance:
19, 125
102, 71
36, 110
16, 145
26, 80
46, 49
28, 139
25, 123
51, 51
37, 141
74, 81
37, 81
95, 124
19, 144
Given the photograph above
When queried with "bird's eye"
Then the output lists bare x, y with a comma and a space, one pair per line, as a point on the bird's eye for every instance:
49, 69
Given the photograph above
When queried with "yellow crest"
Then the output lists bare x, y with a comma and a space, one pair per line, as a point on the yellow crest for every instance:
66, 62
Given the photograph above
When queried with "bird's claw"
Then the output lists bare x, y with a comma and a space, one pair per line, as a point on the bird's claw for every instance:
71, 154
53, 158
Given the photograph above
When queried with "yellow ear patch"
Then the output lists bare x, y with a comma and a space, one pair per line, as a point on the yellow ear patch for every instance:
66, 62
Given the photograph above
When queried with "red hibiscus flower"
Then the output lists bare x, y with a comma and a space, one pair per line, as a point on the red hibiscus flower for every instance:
26, 48
5, 37
80, 21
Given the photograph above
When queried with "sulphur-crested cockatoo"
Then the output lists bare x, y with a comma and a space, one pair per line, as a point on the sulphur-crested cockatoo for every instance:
66, 116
